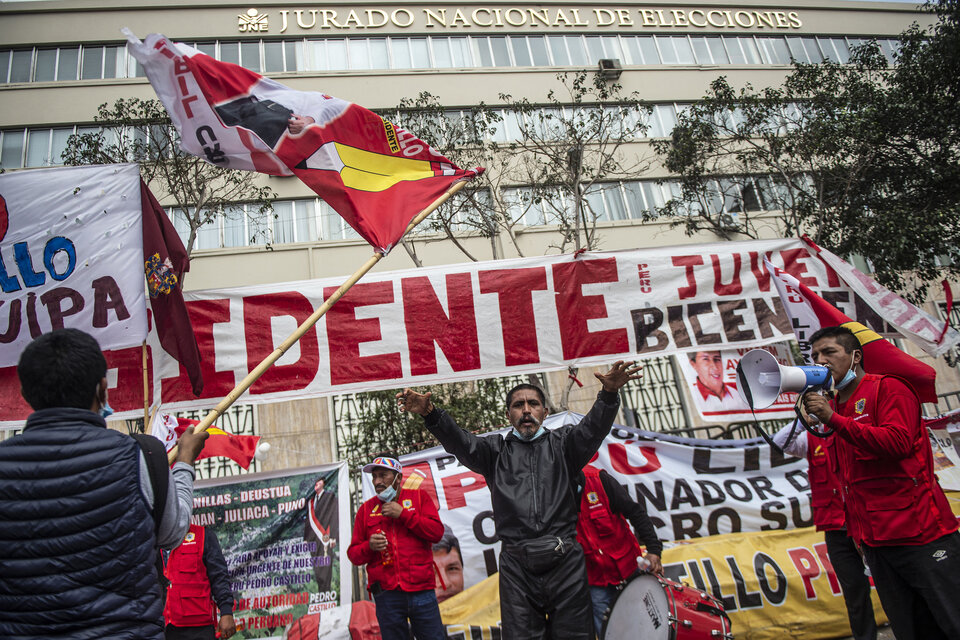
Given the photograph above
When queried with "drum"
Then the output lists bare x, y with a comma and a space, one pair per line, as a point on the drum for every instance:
650, 607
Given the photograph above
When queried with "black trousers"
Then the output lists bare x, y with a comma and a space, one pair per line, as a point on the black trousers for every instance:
848, 565
919, 587
553, 605
190, 633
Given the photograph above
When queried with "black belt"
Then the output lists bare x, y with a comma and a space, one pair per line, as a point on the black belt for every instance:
519, 548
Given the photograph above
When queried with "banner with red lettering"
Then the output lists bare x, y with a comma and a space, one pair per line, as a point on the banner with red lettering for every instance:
692, 488
71, 256
810, 312
944, 432
477, 320
933, 335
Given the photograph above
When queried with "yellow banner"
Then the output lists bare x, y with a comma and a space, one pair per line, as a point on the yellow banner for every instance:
774, 585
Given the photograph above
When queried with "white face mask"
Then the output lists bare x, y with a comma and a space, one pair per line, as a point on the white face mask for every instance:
387, 494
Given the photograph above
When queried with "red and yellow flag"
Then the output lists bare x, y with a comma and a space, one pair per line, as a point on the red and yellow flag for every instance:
376, 175
240, 449
809, 312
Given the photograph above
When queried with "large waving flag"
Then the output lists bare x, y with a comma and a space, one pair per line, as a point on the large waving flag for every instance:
809, 312
373, 173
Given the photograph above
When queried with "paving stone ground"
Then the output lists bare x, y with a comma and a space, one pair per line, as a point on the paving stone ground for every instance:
884, 633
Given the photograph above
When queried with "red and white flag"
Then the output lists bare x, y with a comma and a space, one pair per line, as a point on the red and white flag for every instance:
809, 312
934, 336
376, 175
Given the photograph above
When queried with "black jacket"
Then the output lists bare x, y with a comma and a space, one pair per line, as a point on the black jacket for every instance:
532, 484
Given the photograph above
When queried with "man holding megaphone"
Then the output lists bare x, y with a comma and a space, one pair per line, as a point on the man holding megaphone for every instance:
895, 510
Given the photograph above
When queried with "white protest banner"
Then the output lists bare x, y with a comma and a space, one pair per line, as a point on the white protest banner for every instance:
692, 488
284, 536
71, 255
477, 320
712, 378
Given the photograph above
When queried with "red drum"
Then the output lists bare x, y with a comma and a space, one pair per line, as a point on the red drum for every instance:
654, 608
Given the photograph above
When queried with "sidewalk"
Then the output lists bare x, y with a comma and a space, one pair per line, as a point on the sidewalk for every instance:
883, 633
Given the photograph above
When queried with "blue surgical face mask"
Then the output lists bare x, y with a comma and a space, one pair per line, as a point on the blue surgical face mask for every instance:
847, 378
105, 409
388, 494
542, 430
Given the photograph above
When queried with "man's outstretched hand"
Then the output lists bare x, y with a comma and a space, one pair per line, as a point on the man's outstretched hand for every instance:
410, 400
620, 373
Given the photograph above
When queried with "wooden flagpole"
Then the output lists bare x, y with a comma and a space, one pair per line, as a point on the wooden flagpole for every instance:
267, 362
146, 388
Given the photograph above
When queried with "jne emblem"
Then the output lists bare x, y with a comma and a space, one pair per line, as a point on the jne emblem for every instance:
592, 497
861, 403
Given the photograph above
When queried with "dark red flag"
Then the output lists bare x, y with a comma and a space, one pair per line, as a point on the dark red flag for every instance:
165, 261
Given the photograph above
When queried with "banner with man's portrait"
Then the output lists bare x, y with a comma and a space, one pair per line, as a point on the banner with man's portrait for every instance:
284, 536
711, 376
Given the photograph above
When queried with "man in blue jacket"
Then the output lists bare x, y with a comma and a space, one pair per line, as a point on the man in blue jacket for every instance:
79, 529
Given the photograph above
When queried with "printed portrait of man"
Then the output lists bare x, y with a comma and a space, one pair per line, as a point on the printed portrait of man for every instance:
711, 390
322, 527
449, 561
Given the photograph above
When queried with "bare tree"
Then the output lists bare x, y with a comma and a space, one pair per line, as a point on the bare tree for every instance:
134, 130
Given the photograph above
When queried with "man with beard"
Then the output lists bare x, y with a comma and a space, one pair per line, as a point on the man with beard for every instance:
532, 475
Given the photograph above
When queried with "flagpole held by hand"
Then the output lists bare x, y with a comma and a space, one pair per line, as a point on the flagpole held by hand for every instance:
267, 362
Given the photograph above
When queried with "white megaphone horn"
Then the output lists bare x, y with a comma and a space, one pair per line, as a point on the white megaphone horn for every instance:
760, 378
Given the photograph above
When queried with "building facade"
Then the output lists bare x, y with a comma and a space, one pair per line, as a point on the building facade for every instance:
60, 60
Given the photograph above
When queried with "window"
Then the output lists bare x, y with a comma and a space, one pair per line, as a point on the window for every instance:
273, 57
46, 69
92, 66
20, 64
11, 149
98, 61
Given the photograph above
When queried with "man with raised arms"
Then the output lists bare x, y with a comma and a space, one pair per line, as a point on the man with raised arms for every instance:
532, 475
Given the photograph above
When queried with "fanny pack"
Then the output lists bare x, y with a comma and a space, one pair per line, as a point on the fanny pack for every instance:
539, 555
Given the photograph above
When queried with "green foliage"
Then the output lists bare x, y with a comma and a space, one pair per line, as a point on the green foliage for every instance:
134, 130
863, 158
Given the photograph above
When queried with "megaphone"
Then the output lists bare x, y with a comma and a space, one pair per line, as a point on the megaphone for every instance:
761, 378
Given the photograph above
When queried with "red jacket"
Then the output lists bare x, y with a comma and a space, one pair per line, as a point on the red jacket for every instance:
409, 565
825, 492
891, 495
609, 545
189, 600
